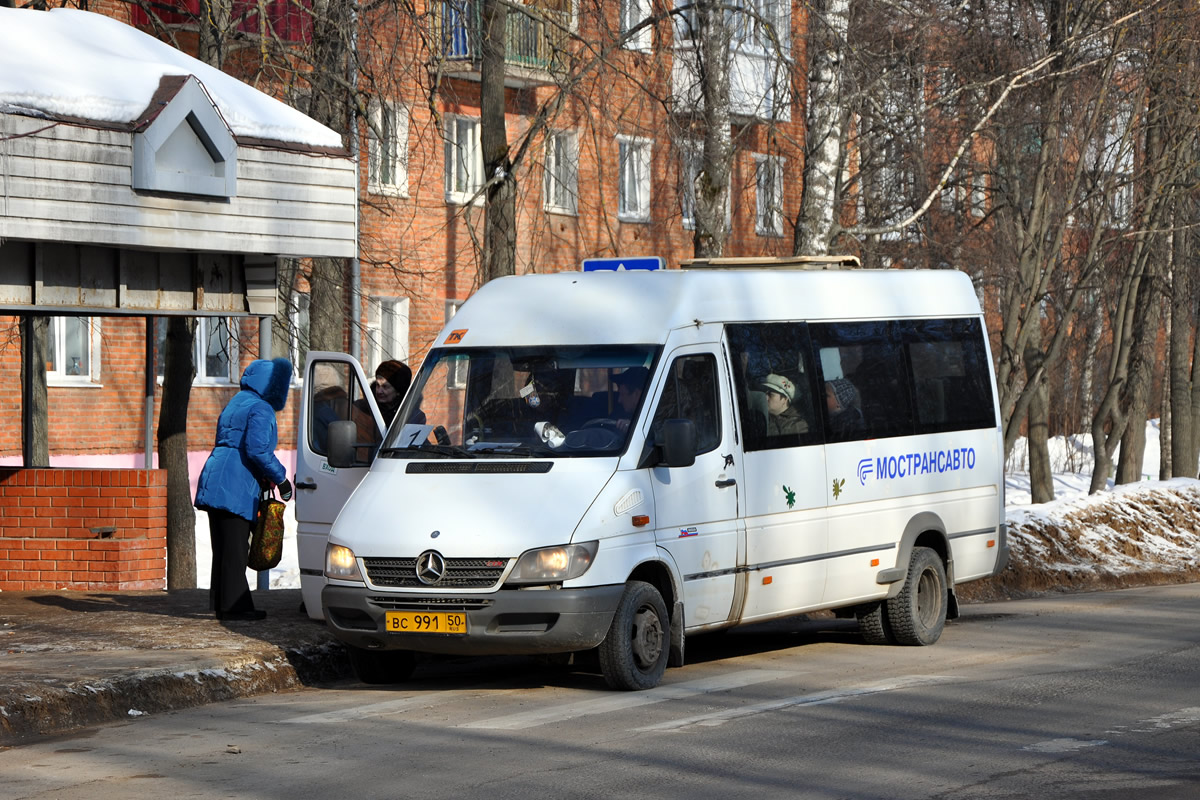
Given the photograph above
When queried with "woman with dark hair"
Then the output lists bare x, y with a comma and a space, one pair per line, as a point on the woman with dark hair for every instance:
392, 379
242, 463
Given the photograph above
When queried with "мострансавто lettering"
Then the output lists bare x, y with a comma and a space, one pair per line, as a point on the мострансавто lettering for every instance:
902, 466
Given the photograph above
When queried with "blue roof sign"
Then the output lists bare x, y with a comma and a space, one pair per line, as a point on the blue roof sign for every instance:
618, 264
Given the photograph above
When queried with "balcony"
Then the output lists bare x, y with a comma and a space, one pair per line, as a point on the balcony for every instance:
534, 47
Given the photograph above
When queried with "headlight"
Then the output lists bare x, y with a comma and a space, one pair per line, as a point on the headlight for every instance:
554, 564
341, 564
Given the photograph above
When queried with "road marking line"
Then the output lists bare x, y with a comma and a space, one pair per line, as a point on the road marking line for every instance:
377, 709
1168, 721
626, 700
818, 698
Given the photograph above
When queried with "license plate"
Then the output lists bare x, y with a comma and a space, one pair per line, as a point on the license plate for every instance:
425, 622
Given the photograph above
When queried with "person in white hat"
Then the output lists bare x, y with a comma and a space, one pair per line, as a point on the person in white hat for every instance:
782, 418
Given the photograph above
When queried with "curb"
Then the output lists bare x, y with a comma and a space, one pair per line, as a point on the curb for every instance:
29, 710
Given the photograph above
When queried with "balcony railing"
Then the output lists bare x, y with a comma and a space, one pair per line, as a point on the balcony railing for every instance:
533, 40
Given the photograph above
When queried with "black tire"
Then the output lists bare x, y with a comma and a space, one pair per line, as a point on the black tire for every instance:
917, 615
381, 666
633, 656
873, 624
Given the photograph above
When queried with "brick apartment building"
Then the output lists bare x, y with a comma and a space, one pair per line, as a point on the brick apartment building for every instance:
610, 176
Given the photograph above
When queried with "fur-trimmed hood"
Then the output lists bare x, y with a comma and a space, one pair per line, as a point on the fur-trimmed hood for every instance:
270, 380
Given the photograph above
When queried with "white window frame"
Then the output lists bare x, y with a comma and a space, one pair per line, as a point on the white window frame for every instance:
768, 195
387, 159
633, 173
632, 13
200, 351
204, 328
562, 173
463, 160
61, 375
457, 376
387, 330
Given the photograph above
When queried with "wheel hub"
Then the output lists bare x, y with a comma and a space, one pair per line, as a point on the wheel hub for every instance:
647, 637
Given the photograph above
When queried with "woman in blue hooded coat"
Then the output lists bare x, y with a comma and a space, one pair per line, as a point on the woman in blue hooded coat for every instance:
242, 462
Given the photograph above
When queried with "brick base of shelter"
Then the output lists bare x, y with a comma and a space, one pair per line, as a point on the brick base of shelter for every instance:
83, 529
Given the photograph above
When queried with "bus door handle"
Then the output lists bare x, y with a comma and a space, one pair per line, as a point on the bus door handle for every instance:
726, 483
305, 485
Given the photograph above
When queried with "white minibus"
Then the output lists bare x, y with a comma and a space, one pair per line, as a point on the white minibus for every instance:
615, 460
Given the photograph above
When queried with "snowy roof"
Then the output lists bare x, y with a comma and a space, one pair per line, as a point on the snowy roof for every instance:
75, 64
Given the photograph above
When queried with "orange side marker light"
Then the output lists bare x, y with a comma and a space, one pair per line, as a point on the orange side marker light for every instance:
767, 580
641, 520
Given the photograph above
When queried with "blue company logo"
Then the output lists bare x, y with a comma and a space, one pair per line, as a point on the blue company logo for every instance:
886, 468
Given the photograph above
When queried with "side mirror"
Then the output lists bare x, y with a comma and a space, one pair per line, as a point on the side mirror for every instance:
678, 443
342, 434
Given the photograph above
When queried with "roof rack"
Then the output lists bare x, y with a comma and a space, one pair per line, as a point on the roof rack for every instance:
769, 262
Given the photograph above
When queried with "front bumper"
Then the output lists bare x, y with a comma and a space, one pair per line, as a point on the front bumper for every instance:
507, 622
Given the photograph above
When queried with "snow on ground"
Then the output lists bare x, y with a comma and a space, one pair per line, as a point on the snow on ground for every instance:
1125, 535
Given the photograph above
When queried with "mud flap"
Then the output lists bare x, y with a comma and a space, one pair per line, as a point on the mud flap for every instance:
675, 658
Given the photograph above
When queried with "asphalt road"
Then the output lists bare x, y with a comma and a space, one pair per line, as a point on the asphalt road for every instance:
1075, 696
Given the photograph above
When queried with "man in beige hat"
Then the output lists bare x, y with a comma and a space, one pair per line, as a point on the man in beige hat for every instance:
782, 418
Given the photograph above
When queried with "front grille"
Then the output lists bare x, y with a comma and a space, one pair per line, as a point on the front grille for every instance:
430, 604
461, 573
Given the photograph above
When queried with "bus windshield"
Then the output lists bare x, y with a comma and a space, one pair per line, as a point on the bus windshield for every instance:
520, 402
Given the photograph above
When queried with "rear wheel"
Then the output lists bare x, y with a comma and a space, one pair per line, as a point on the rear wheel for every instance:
917, 615
381, 666
634, 654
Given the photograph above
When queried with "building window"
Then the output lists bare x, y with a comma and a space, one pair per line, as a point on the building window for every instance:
387, 329
457, 376
214, 354
70, 347
387, 149
633, 190
562, 173
464, 160
768, 178
978, 194
633, 13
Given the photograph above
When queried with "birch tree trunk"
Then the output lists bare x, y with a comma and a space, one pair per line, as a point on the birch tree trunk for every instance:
712, 181
829, 23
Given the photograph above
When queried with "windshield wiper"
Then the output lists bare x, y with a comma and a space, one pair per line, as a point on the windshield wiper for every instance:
448, 450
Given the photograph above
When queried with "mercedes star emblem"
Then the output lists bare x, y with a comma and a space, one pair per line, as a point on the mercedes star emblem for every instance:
431, 566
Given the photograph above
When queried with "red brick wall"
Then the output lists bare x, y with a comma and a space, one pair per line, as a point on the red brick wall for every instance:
83, 529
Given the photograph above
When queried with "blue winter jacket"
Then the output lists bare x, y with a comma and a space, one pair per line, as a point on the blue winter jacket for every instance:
244, 452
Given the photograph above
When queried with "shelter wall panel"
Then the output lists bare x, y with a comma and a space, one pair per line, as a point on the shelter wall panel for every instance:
71, 183
257, 204
303, 240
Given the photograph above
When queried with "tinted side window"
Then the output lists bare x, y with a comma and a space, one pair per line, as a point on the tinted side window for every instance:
773, 378
691, 392
951, 381
866, 388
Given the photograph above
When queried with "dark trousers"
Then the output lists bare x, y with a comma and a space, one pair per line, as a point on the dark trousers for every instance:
228, 590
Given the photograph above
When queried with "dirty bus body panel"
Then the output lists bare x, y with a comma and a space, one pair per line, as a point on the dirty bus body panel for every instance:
607, 460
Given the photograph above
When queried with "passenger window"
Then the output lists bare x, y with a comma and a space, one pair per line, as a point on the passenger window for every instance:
951, 381
865, 387
773, 379
336, 394
691, 392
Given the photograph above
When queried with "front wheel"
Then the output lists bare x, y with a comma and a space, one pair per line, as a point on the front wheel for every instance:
917, 615
381, 666
633, 655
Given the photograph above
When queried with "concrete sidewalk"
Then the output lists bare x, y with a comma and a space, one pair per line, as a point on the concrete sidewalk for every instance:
72, 659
